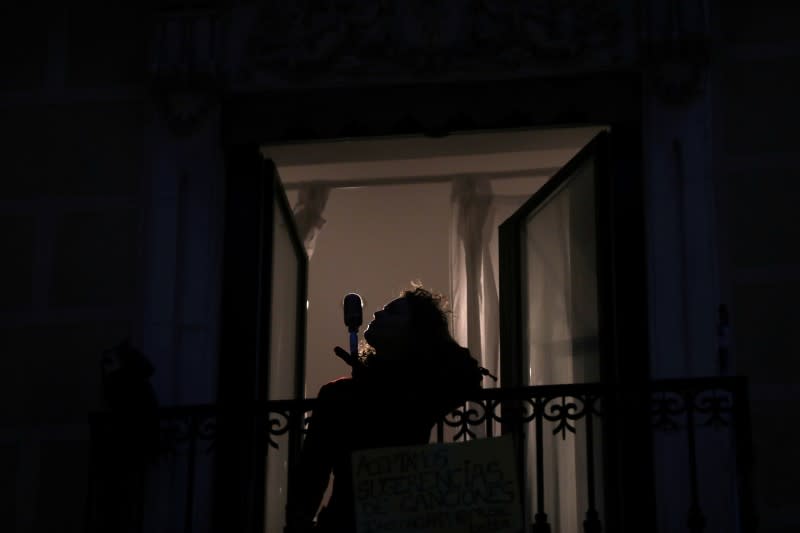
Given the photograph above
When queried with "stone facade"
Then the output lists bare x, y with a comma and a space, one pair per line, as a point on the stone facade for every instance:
111, 191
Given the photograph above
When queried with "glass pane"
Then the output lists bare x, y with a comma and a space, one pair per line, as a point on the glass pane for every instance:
560, 320
561, 273
283, 334
282, 367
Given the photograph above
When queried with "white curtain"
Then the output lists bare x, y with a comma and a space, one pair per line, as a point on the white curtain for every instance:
549, 323
560, 314
473, 285
308, 211
476, 215
562, 326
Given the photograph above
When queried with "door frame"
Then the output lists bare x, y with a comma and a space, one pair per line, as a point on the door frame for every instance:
622, 335
252, 191
612, 99
511, 245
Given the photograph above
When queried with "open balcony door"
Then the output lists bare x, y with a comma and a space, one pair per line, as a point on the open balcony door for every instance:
262, 350
551, 256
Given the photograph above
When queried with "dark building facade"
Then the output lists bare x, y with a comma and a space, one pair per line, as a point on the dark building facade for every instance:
122, 126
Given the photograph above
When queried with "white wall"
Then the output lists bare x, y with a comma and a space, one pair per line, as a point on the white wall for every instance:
376, 241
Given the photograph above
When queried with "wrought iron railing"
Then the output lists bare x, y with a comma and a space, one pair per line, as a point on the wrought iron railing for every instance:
697, 430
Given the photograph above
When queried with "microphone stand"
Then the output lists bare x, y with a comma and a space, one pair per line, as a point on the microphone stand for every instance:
353, 342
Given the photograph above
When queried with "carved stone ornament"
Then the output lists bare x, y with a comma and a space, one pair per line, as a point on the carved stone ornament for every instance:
357, 40
185, 105
185, 70
677, 71
677, 49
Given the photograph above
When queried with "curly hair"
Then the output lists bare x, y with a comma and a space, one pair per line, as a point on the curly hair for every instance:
439, 365
428, 314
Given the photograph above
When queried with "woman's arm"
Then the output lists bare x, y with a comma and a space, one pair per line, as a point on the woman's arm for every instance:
315, 465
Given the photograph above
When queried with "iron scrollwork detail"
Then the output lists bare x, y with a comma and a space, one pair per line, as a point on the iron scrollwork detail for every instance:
526, 411
666, 406
468, 417
669, 407
717, 404
564, 412
562, 409
178, 433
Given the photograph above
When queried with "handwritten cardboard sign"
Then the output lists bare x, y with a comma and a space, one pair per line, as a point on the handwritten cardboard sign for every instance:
465, 487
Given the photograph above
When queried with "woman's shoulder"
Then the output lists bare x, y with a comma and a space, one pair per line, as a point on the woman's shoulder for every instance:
336, 387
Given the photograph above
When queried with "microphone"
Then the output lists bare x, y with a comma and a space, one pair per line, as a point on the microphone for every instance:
353, 319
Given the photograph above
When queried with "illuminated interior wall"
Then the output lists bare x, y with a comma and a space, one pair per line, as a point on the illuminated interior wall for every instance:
376, 240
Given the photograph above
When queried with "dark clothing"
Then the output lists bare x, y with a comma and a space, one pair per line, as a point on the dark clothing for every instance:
386, 405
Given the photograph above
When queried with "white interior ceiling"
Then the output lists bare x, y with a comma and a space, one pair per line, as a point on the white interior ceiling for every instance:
503, 155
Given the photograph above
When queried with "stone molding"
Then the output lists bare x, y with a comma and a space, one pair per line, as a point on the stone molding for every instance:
186, 66
201, 53
305, 42
676, 51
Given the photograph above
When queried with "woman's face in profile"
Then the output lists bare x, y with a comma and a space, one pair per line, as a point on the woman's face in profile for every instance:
390, 330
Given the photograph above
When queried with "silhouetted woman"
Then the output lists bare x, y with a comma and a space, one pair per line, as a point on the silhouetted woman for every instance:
413, 374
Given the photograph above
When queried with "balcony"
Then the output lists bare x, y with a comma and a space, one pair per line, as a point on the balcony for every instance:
685, 443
